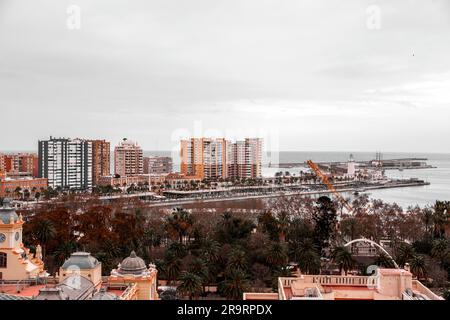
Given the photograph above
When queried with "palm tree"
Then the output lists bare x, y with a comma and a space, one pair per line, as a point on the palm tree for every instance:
349, 226
180, 223
440, 250
26, 194
276, 255
226, 216
305, 253
343, 258
44, 232
191, 285
172, 267
440, 218
418, 266
404, 253
283, 221
234, 285
177, 249
18, 192
64, 251
210, 250
427, 219
237, 260
200, 269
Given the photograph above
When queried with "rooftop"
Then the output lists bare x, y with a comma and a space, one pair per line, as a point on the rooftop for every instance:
24, 291
105, 294
82, 260
21, 178
5, 297
132, 265
69, 289
389, 284
7, 213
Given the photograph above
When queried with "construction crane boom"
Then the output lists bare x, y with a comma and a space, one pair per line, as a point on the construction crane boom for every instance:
329, 185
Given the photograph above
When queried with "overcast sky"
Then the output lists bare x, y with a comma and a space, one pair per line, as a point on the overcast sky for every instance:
305, 75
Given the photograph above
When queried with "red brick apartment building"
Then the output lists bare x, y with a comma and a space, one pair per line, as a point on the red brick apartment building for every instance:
20, 162
101, 160
8, 185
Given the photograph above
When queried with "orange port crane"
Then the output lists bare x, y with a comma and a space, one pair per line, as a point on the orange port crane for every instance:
330, 186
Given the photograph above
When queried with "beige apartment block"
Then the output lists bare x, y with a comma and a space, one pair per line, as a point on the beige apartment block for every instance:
128, 159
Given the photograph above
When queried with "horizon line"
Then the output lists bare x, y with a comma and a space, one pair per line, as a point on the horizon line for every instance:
273, 151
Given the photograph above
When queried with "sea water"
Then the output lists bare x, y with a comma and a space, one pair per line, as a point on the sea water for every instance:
439, 177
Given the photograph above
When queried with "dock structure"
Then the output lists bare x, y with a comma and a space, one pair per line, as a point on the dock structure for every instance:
386, 164
177, 198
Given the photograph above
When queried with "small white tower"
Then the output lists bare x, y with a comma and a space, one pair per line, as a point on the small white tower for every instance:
351, 167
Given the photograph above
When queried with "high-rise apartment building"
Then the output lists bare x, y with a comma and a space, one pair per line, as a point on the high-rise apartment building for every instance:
128, 159
157, 165
244, 158
204, 158
29, 163
66, 163
217, 158
101, 160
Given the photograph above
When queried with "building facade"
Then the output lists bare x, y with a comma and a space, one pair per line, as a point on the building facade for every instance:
385, 284
178, 181
209, 158
128, 159
16, 262
80, 278
244, 158
127, 181
29, 163
133, 271
204, 158
23, 276
8, 163
101, 160
158, 165
2, 164
66, 163
25, 163
9, 185
84, 265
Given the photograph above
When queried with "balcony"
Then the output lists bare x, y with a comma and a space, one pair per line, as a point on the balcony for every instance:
330, 280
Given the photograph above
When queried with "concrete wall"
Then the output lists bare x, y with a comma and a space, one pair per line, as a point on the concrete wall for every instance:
17, 267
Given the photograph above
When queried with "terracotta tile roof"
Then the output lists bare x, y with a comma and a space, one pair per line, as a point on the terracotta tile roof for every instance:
29, 291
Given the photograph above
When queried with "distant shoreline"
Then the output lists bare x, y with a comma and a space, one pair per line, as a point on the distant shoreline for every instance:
279, 151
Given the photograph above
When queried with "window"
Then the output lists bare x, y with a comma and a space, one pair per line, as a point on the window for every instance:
3, 260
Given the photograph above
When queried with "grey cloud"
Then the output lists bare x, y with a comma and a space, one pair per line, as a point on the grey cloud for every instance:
148, 68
